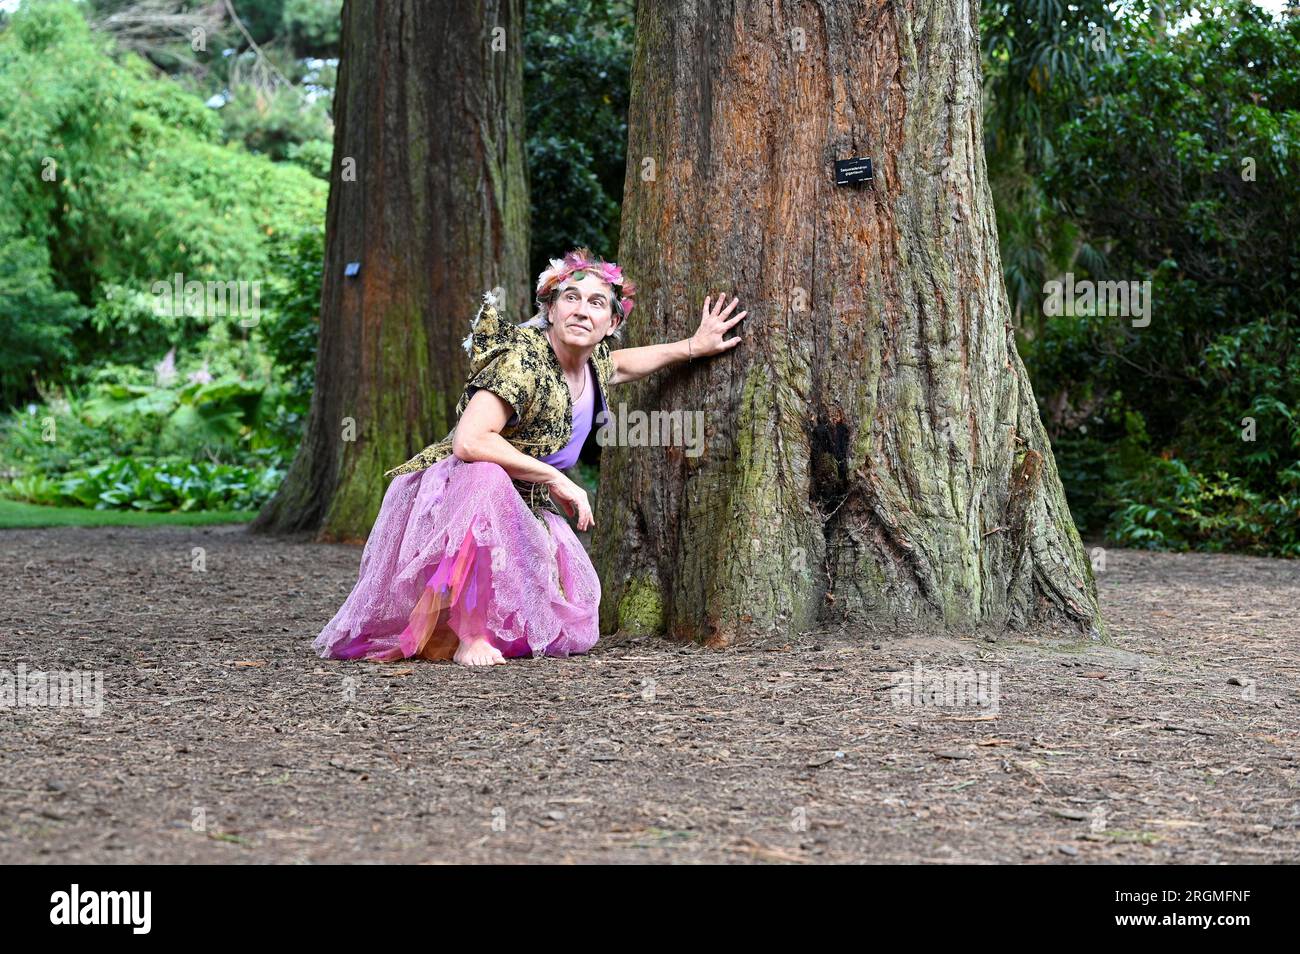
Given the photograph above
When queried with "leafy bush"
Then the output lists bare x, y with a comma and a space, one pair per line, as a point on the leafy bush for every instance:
312, 26
36, 321
578, 54
123, 177
314, 156
122, 413
128, 484
1180, 168
276, 122
1169, 507
201, 416
292, 328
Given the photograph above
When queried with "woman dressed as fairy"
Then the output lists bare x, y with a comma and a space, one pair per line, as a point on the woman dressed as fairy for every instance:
471, 557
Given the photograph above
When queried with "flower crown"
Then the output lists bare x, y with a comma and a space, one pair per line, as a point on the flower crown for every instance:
575, 265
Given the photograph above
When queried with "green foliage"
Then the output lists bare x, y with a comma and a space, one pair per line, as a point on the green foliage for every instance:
313, 155
123, 443
311, 27
272, 97
123, 183
1182, 433
1037, 57
36, 321
1156, 167
121, 414
1168, 507
292, 330
123, 178
202, 415
128, 484
576, 91
277, 122
1037, 61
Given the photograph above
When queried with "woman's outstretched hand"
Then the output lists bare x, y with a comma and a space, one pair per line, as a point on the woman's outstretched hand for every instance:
714, 323
573, 499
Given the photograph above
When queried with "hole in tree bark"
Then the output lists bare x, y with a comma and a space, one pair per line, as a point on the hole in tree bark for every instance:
829, 443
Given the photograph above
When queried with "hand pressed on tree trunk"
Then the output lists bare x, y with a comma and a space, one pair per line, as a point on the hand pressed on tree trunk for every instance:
631, 364
714, 323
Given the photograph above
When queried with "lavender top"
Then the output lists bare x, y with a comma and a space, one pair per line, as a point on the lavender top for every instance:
567, 456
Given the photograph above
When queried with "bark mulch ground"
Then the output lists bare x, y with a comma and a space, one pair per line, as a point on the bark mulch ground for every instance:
223, 738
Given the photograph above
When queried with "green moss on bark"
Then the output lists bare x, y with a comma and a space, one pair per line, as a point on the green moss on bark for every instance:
641, 610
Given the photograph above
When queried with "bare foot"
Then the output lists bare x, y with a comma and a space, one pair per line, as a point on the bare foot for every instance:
478, 652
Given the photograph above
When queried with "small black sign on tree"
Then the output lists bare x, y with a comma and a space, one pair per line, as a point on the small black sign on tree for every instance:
849, 171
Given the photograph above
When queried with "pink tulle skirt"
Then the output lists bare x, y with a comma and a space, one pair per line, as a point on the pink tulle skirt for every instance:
455, 553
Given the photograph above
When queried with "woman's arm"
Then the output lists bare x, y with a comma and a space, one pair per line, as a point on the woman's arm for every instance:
633, 363
478, 437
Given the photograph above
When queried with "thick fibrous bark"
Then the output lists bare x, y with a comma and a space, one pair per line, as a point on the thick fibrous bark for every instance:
429, 118
874, 453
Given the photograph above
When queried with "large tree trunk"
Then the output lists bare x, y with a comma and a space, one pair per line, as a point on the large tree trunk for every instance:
874, 454
431, 117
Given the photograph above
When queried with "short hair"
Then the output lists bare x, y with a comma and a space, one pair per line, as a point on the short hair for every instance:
542, 318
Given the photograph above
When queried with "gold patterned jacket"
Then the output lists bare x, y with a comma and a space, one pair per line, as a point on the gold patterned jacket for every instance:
518, 364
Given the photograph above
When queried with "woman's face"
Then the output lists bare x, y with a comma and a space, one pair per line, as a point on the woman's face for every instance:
583, 312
